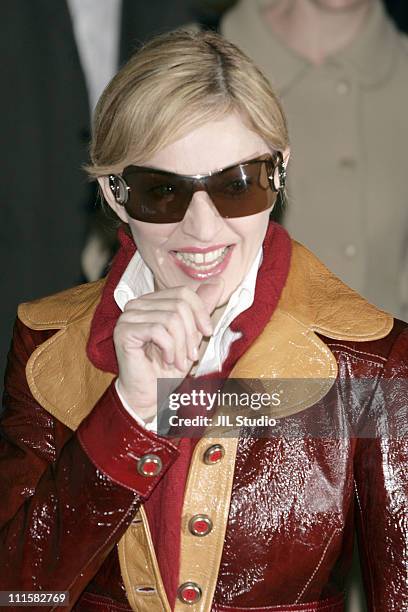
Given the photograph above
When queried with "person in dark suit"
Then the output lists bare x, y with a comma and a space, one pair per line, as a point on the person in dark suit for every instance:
398, 9
47, 201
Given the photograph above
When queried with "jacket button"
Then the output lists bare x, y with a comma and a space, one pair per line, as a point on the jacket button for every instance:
149, 465
200, 525
343, 88
348, 163
350, 250
189, 593
214, 454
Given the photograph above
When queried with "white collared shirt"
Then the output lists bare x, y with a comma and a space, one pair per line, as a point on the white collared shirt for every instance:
137, 280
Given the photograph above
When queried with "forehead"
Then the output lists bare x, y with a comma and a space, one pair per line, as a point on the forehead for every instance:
214, 145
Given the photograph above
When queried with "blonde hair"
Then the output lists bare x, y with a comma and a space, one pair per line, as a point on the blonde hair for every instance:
175, 83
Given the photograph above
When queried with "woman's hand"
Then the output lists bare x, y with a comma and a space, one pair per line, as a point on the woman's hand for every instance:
158, 336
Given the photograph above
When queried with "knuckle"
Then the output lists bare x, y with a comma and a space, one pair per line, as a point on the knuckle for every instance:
185, 293
173, 318
157, 329
183, 310
180, 304
130, 305
119, 330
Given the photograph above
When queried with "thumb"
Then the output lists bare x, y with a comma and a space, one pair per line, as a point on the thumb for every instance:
210, 292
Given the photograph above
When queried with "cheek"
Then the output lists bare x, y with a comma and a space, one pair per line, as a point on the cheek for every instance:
251, 229
149, 239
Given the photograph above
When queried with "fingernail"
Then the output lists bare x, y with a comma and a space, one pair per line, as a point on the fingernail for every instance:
195, 353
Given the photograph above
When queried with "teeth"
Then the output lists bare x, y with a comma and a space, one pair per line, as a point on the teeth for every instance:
202, 261
213, 255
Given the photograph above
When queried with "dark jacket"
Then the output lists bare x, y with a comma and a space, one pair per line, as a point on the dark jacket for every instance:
283, 507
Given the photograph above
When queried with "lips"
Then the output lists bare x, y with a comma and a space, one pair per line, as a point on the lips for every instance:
203, 263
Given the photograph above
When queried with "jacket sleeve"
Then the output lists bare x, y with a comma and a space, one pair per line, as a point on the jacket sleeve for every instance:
381, 489
66, 498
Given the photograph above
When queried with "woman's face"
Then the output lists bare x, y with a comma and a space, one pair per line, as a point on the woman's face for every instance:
169, 249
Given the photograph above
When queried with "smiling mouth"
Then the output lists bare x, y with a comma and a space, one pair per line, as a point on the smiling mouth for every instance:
202, 264
202, 261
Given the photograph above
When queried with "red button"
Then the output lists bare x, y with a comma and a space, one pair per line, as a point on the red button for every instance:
214, 454
200, 525
189, 593
149, 465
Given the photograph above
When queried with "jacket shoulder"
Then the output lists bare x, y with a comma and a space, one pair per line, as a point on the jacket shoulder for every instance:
318, 298
58, 310
378, 350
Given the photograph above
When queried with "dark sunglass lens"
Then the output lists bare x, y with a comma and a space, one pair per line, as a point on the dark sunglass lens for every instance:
157, 197
242, 190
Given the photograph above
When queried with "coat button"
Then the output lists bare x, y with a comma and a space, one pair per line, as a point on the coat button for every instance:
350, 250
214, 454
343, 87
149, 465
348, 163
200, 525
189, 593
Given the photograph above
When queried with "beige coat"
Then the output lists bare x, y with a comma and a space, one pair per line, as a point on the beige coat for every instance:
348, 123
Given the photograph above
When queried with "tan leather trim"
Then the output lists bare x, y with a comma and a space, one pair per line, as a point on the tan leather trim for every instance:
208, 491
139, 568
317, 298
65, 382
56, 311
289, 350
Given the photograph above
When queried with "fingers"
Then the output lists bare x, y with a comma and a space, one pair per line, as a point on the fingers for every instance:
168, 320
173, 319
188, 330
210, 293
130, 335
188, 296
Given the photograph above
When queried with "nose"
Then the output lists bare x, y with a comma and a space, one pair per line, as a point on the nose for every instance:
202, 220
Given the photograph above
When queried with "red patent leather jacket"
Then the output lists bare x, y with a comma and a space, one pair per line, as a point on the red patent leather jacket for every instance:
283, 508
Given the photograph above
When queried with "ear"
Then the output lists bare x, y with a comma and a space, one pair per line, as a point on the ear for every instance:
119, 209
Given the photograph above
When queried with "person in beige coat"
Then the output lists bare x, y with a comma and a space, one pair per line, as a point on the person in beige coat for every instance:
341, 69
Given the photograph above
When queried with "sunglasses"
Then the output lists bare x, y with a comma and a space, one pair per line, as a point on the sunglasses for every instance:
157, 196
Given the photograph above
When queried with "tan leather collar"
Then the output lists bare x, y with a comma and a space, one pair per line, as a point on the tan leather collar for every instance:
59, 373
62, 309
67, 384
315, 297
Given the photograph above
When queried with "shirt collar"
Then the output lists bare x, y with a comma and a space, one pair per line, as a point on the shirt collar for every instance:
370, 56
242, 298
136, 280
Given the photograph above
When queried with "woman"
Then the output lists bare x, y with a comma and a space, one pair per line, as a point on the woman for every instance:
190, 149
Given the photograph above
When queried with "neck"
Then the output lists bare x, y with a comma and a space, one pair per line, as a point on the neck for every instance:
313, 30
